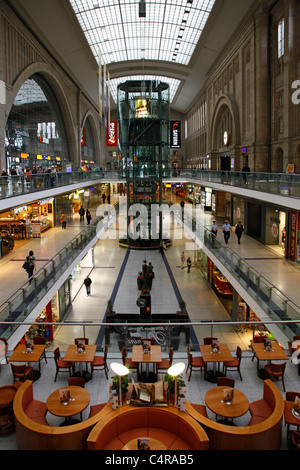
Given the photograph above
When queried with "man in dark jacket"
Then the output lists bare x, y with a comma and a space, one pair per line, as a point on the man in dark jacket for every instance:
239, 230
87, 282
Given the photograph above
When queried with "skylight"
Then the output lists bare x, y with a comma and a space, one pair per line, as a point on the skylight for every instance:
169, 32
173, 83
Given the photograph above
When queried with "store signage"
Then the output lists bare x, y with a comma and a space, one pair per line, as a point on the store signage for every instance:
292, 236
175, 138
111, 132
46, 201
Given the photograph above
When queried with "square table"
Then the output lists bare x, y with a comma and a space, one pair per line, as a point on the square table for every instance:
223, 355
275, 354
20, 354
72, 355
151, 358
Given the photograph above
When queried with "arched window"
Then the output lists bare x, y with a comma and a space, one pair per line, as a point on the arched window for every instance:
35, 132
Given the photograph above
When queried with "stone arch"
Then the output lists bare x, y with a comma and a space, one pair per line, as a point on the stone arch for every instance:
95, 130
225, 101
297, 159
48, 73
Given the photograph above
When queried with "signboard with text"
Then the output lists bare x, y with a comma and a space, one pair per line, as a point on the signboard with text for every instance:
175, 134
111, 134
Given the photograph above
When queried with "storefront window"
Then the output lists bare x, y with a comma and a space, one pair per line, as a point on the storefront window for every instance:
35, 134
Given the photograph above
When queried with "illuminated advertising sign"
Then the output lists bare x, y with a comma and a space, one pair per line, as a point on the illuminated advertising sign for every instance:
142, 107
175, 138
293, 235
111, 134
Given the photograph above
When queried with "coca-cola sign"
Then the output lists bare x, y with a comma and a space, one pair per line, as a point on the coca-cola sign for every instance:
111, 134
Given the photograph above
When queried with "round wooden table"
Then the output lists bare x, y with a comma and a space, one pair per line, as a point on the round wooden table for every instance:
154, 444
80, 400
238, 407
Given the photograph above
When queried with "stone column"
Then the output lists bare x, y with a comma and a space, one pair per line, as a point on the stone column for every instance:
262, 92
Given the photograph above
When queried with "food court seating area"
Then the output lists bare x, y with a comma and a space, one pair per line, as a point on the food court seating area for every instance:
263, 395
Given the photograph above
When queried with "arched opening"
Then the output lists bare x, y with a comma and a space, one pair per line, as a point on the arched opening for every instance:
35, 134
277, 164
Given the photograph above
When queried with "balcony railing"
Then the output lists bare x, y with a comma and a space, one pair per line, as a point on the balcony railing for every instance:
275, 183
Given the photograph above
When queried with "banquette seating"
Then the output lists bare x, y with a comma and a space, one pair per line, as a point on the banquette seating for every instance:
33, 431
175, 429
264, 428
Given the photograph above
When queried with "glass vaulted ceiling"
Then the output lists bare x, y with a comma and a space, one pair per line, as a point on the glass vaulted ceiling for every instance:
169, 32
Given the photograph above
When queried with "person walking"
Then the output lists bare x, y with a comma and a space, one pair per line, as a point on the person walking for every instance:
103, 198
238, 231
182, 203
189, 264
226, 230
88, 217
87, 282
214, 232
81, 213
63, 220
245, 170
31, 265
182, 258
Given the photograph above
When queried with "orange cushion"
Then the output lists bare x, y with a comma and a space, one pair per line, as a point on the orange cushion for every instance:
164, 364
157, 418
133, 433
166, 437
40, 420
200, 408
36, 408
114, 444
198, 361
107, 434
180, 444
137, 418
94, 409
186, 431
260, 408
256, 420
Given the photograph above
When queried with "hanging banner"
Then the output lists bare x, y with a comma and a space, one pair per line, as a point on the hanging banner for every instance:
293, 235
111, 134
175, 137
105, 94
100, 85
108, 97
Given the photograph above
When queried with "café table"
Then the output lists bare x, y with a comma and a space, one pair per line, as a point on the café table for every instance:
80, 399
20, 354
290, 418
154, 444
214, 400
153, 357
223, 355
276, 353
72, 355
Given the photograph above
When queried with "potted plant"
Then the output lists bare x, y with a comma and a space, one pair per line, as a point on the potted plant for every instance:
124, 382
110, 310
182, 306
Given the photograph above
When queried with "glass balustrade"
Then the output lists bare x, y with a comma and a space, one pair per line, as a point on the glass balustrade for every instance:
274, 183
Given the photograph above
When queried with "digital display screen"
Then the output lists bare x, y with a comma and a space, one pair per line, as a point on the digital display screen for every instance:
142, 107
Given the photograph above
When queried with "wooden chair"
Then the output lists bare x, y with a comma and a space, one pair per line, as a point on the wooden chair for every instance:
235, 364
21, 372
76, 381
61, 365
294, 440
257, 339
195, 363
94, 409
127, 361
99, 363
276, 371
40, 340
290, 396
164, 365
209, 340
225, 382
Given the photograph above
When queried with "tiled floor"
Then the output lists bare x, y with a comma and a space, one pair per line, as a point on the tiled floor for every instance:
201, 302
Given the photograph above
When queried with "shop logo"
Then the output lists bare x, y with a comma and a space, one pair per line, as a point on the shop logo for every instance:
296, 94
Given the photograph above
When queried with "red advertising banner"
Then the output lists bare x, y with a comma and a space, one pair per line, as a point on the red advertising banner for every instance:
293, 235
111, 134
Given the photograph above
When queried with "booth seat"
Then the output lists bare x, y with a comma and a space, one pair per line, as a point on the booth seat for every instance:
33, 431
175, 429
263, 431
